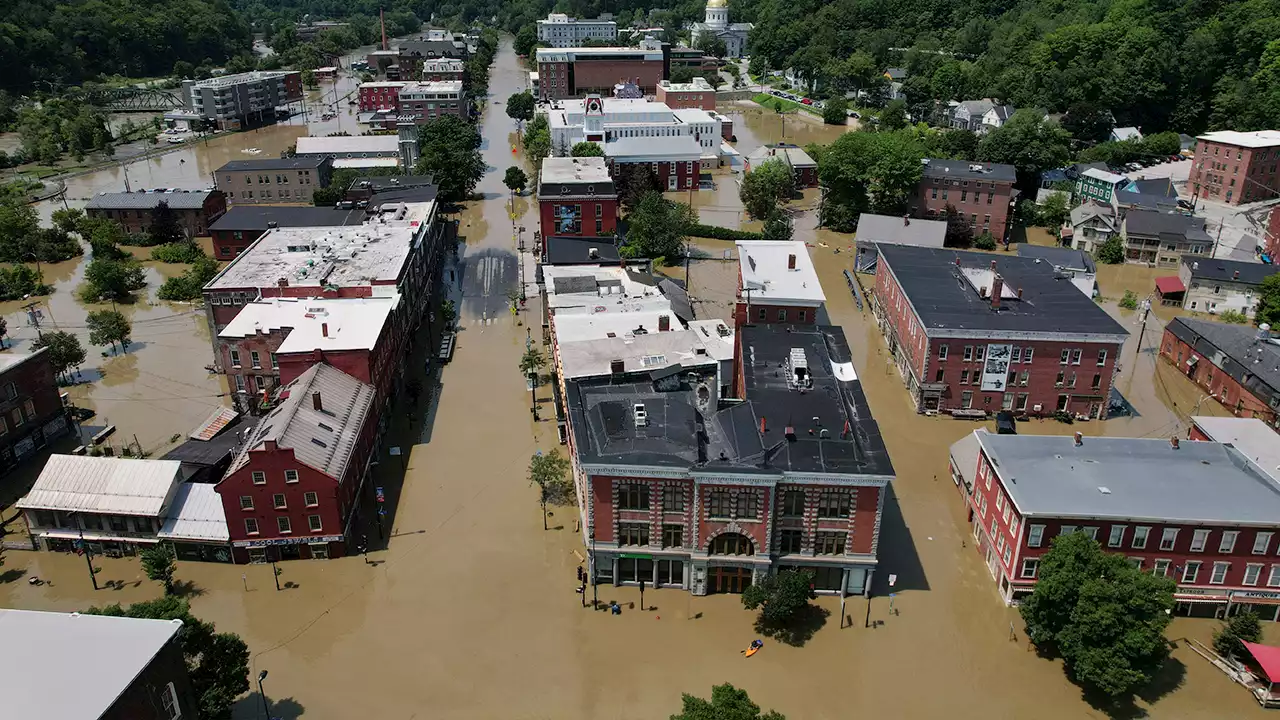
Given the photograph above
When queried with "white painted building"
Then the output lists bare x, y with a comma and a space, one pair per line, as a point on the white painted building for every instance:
716, 24
619, 119
561, 31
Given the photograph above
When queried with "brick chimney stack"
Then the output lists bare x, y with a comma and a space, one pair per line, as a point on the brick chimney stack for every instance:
997, 286
791, 262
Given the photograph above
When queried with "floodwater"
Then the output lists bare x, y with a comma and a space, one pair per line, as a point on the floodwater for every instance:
471, 611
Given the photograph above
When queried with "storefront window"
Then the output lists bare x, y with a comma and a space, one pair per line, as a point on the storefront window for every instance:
635, 570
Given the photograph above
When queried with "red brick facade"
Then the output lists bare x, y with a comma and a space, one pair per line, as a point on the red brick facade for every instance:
379, 96
195, 221
31, 412
1218, 384
986, 204
700, 99
685, 174
560, 80
599, 217
1234, 174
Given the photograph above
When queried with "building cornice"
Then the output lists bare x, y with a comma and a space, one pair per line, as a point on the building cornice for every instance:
1043, 336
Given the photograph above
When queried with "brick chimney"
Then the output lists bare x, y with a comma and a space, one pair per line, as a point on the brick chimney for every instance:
1173, 442
997, 286
315, 402
283, 282
664, 323
791, 262
324, 329
1235, 275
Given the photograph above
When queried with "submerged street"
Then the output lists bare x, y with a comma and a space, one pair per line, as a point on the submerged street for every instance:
470, 611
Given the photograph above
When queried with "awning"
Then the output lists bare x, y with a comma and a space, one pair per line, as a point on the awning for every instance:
1169, 285
1268, 658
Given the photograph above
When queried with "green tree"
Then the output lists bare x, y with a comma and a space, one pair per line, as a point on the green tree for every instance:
777, 227
189, 284
218, 663
587, 149
547, 472
1129, 301
876, 171
1030, 144
658, 228
448, 313
768, 184
1111, 252
835, 111
1269, 301
1054, 210
20, 281
711, 45
959, 232
109, 326
165, 227
1228, 640
727, 703
515, 179
635, 182
985, 241
1085, 121
520, 106
109, 279
68, 220
1104, 616
1235, 317
894, 115
781, 598
450, 150
65, 350
532, 361
159, 564
537, 140
526, 40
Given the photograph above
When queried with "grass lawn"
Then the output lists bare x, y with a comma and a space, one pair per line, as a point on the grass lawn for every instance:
771, 102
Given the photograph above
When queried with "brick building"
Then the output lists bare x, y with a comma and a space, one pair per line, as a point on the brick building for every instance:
1201, 513
294, 489
678, 490
576, 199
239, 226
1236, 167
374, 96
981, 192
1271, 241
971, 334
31, 411
803, 167
274, 181
444, 70
426, 101
675, 163
1238, 366
1217, 285
576, 72
777, 283
697, 94
134, 211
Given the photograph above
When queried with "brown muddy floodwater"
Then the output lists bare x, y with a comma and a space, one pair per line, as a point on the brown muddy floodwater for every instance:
471, 611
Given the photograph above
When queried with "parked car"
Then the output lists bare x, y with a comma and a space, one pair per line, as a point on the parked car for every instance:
1005, 423
806, 101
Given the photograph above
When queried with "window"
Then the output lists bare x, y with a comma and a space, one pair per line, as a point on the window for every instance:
968, 353
782, 315
278, 501
251, 526
1102, 358
253, 358
259, 477
1198, 540
310, 499
1140, 537
314, 523
1190, 571
1027, 353
979, 353
1066, 357
1161, 568
828, 543
763, 315
235, 358
1075, 356
1023, 380
1022, 399
718, 505
1219, 575
1273, 578
1035, 535
1116, 537
793, 503
942, 352
964, 377
1062, 376
1015, 355
672, 536
747, 505
169, 699
672, 498
1170, 536
1029, 567
246, 502
1261, 542
804, 316
291, 476
789, 541
1252, 572
633, 496
966, 399
274, 365
1228, 542
939, 376
1096, 383
282, 524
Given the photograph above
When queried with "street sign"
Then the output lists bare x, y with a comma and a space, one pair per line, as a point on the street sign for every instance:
893, 579
381, 496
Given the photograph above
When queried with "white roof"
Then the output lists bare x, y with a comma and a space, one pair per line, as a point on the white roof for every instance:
342, 163
697, 85
593, 357
433, 86
316, 323
1250, 436
1126, 133
763, 264
119, 486
13, 359
356, 144
196, 514
1255, 139
1104, 176
72, 666
385, 84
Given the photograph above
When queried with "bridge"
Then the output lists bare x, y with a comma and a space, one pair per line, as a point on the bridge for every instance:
134, 99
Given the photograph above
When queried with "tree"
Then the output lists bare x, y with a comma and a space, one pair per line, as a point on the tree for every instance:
1228, 640
658, 227
587, 149
894, 115
780, 597
1030, 144
985, 241
532, 361
959, 232
537, 140
526, 40
777, 227
109, 326
636, 181
450, 150
1054, 210
189, 284
159, 564
64, 349
111, 279
217, 662
711, 45
727, 703
868, 171
520, 106
548, 473
1111, 252
1269, 301
835, 111
1104, 616
1086, 122
515, 179
1235, 317
769, 183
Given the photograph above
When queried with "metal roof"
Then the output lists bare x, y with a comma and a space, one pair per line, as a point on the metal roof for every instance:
1132, 478
577, 250
1256, 139
143, 200
1062, 257
323, 439
118, 486
196, 514
73, 666
1237, 351
261, 217
217, 421
290, 163
373, 144
1252, 437
768, 277
900, 230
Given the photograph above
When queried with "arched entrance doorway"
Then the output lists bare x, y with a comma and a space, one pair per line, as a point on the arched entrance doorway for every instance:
729, 579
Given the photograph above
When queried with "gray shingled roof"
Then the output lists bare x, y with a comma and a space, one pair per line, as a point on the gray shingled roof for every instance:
260, 217
181, 200
1152, 224
1211, 269
1255, 365
960, 170
303, 162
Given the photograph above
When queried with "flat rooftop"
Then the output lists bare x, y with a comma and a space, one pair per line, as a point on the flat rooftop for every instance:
291, 163
650, 351
1132, 478
433, 86
103, 654
374, 144
1252, 437
315, 323
562, 170
1256, 139
968, 170
778, 272
261, 217
244, 77
945, 287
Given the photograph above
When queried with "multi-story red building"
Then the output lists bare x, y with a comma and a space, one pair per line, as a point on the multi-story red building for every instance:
973, 333
293, 490
31, 411
443, 70
575, 72
697, 93
1238, 366
777, 283
1236, 167
576, 199
675, 163
240, 225
981, 192
194, 210
677, 489
374, 96
1201, 513
426, 101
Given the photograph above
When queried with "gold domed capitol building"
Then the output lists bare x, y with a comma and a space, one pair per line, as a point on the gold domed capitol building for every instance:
717, 25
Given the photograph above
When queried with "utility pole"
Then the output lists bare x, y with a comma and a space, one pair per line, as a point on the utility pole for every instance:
33, 316
88, 557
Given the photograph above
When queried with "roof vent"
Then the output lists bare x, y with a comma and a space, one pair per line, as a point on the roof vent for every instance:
1104, 490
1079, 439
641, 417
1173, 442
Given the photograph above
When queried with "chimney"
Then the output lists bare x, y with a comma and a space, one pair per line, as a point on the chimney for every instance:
664, 323
283, 282
791, 262
1019, 293
1173, 442
1079, 439
1235, 275
324, 329
957, 261
315, 402
269, 445
997, 286
616, 367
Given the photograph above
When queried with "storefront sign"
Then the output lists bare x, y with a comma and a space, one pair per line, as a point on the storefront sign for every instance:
636, 556
288, 541
1246, 595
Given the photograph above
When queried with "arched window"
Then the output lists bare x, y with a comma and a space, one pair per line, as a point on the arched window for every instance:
732, 544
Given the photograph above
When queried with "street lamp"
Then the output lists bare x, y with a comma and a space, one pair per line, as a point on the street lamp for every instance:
265, 707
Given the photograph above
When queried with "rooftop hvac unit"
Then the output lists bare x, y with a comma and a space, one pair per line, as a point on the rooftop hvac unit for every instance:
641, 417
